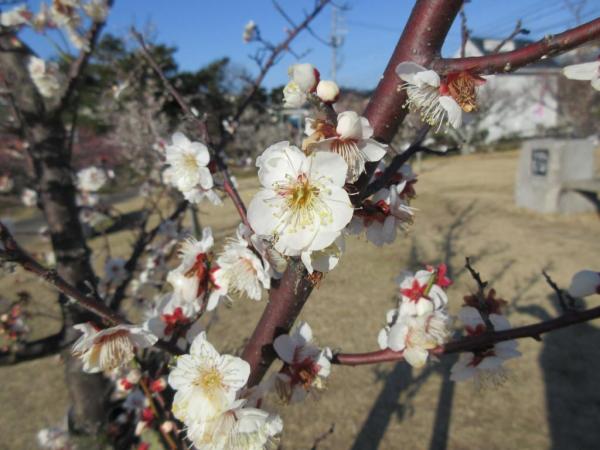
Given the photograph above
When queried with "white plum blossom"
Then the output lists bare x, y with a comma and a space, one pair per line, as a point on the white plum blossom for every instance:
328, 91
249, 31
42, 19
237, 427
324, 260
6, 184
64, 13
302, 205
240, 270
97, 10
188, 162
206, 381
195, 276
29, 197
45, 75
15, 17
414, 335
439, 101
55, 438
423, 292
382, 215
79, 41
303, 80
169, 314
485, 366
584, 283
306, 365
589, 71
91, 179
104, 350
198, 194
351, 139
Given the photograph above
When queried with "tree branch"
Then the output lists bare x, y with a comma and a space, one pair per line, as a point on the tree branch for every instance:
510, 61
277, 50
518, 30
423, 37
40, 348
480, 342
144, 238
78, 65
201, 124
12, 252
396, 163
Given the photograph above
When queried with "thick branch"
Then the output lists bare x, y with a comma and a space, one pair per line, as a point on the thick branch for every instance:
474, 343
285, 303
510, 61
422, 39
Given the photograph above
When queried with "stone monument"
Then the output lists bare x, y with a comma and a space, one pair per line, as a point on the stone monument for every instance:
548, 171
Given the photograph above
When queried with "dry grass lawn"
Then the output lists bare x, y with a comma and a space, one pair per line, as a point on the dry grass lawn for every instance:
550, 398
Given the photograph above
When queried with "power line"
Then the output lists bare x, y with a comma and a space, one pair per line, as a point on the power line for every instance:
521, 13
373, 26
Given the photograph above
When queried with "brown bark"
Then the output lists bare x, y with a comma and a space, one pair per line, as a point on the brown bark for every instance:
50, 156
421, 41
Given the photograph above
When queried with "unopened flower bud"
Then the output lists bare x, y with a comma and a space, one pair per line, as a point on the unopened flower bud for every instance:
328, 91
584, 283
167, 426
158, 385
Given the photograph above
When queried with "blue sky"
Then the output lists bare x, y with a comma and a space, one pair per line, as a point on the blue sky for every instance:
204, 30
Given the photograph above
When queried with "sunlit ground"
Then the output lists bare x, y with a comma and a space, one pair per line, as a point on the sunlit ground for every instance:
549, 399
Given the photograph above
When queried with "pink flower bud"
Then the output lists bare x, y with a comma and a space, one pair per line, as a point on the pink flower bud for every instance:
158, 385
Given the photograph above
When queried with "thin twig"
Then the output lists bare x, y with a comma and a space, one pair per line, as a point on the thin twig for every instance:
518, 30
201, 124
560, 294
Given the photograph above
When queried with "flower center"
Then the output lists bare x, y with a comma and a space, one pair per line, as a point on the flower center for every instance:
302, 194
209, 380
190, 162
461, 87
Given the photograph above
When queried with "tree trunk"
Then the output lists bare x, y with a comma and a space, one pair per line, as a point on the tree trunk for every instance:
50, 154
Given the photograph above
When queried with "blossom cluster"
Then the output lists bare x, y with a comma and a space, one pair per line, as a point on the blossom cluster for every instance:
480, 315
420, 322
209, 401
66, 15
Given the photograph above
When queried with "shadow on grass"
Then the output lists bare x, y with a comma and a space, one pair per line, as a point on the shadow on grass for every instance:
570, 365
